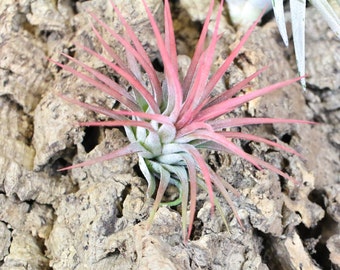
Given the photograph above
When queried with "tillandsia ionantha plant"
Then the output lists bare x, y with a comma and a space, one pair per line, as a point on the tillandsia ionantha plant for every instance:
168, 121
252, 8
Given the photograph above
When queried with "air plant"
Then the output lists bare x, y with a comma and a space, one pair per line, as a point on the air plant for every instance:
298, 13
169, 121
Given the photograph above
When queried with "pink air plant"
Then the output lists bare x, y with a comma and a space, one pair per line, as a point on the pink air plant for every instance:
169, 122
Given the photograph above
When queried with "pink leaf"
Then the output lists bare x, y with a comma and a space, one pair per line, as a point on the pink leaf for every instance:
125, 74
235, 89
115, 113
198, 51
238, 122
250, 137
228, 105
193, 192
139, 53
117, 93
127, 150
170, 41
203, 168
220, 72
221, 186
119, 123
197, 91
175, 93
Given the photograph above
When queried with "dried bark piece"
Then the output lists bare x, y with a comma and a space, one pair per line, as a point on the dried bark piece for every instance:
25, 253
333, 201
85, 219
39, 220
267, 197
5, 240
298, 201
28, 185
333, 245
49, 17
101, 172
13, 211
160, 247
289, 254
23, 247
23, 70
35, 219
234, 250
54, 129
17, 129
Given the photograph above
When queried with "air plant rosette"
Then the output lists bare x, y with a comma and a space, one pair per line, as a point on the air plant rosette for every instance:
168, 119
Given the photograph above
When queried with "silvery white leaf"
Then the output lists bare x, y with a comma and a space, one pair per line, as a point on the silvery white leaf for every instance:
298, 13
280, 19
328, 14
148, 176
